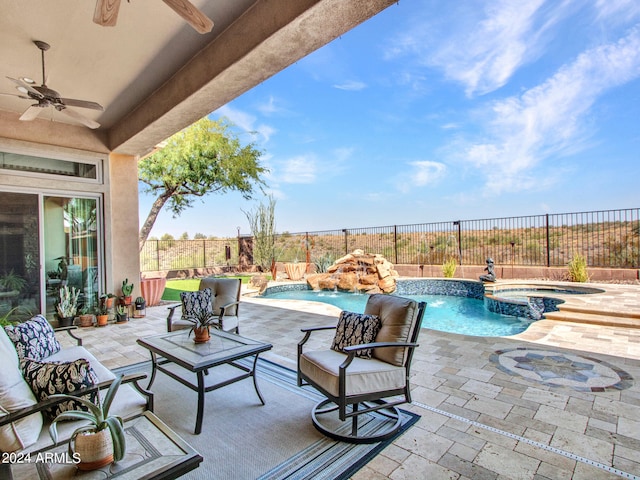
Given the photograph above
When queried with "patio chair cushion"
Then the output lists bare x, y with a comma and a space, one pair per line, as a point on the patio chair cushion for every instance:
14, 395
195, 302
225, 291
363, 375
399, 316
49, 378
34, 338
356, 329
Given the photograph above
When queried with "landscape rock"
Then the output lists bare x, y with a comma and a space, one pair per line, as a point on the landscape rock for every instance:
357, 272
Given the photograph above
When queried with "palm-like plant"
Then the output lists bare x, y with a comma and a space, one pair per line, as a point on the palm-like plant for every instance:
98, 417
203, 319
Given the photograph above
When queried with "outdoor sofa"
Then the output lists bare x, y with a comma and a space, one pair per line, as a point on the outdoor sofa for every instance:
34, 366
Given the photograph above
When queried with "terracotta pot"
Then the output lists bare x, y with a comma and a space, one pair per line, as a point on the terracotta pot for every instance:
103, 320
201, 335
152, 289
295, 271
95, 449
86, 320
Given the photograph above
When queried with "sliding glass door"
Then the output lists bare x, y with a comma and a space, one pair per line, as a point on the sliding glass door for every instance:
20, 284
47, 242
70, 248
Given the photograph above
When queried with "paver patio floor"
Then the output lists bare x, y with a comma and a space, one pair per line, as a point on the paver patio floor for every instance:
559, 401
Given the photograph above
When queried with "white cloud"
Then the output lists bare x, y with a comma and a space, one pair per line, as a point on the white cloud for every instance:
419, 174
549, 119
300, 169
482, 44
351, 85
247, 122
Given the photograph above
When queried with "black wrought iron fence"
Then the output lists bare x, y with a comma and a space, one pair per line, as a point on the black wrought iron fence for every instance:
609, 238
183, 254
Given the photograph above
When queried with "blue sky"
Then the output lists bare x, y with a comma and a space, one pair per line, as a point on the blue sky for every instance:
438, 110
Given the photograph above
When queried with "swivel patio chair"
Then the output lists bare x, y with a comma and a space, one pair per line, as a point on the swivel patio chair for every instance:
221, 296
369, 362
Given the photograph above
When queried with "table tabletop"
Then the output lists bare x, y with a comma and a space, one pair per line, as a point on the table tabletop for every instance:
179, 348
154, 452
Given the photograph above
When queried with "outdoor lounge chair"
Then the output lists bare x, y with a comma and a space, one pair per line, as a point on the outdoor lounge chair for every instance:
221, 296
355, 384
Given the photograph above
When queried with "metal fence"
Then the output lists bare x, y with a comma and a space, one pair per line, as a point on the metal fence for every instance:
609, 238
157, 255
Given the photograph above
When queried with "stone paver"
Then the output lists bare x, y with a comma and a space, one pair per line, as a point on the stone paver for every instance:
478, 420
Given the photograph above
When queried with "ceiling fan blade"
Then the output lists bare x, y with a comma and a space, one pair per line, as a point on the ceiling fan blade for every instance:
72, 102
187, 10
106, 12
14, 95
80, 118
31, 113
22, 84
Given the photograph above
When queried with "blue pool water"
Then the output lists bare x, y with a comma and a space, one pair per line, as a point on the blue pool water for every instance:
445, 313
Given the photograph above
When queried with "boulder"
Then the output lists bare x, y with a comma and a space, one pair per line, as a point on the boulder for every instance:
357, 271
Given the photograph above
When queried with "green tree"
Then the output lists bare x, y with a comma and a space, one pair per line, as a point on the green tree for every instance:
205, 157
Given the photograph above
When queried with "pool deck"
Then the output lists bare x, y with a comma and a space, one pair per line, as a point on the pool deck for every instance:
559, 401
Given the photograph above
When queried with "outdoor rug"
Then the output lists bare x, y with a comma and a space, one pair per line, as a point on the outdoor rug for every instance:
242, 439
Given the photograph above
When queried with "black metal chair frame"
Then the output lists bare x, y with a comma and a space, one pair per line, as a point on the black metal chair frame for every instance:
371, 402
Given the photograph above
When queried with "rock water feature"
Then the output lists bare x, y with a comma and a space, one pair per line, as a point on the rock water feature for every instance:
357, 272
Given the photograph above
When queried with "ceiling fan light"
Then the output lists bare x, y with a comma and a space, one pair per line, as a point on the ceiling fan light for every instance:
22, 89
28, 80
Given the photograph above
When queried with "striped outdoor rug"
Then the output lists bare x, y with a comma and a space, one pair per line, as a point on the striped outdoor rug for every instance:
242, 439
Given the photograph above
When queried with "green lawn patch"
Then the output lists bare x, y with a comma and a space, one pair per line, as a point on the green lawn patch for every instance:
174, 287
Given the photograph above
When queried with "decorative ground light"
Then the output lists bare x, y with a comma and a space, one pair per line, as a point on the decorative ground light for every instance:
559, 369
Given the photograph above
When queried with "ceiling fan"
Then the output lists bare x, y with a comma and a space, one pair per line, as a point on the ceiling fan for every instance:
106, 14
47, 97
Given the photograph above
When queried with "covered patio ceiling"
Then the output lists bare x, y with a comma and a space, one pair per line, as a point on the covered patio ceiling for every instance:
152, 72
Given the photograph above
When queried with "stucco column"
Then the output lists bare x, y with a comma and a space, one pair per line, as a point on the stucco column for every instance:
122, 258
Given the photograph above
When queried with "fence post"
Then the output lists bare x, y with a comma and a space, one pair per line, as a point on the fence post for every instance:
395, 243
457, 222
346, 242
204, 253
158, 255
548, 242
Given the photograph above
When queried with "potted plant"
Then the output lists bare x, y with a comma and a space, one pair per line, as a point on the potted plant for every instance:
140, 307
86, 315
122, 314
108, 299
102, 315
202, 321
102, 440
127, 290
67, 305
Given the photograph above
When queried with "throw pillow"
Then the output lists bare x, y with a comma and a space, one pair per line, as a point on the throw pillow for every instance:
356, 329
196, 302
48, 378
14, 395
34, 338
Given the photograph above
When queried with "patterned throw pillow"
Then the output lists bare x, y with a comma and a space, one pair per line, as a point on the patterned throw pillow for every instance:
195, 302
34, 338
356, 329
48, 378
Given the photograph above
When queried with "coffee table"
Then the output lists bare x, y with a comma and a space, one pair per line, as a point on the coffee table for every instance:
178, 349
154, 452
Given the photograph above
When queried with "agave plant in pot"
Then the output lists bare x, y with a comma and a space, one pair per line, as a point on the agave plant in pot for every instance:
202, 321
67, 305
102, 440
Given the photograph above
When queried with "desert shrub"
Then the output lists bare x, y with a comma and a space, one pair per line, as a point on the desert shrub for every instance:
578, 268
449, 267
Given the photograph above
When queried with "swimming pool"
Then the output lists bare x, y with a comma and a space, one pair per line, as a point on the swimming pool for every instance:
454, 314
